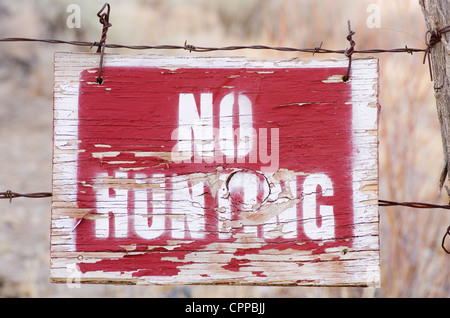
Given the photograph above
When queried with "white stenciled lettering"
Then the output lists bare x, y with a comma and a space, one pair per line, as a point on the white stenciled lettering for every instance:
311, 185
187, 209
198, 141
247, 202
149, 208
194, 129
286, 221
227, 133
112, 201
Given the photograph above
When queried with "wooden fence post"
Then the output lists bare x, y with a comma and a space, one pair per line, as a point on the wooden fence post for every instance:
437, 16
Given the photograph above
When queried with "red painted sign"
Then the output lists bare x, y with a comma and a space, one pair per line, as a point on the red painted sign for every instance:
176, 166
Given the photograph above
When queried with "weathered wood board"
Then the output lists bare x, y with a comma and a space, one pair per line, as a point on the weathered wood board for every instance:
186, 170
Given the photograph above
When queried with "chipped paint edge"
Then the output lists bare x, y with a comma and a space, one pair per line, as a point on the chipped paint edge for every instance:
365, 102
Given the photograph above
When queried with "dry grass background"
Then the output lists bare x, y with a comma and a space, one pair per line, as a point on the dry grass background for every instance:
412, 261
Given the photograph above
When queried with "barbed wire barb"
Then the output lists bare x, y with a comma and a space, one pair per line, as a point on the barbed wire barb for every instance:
8, 194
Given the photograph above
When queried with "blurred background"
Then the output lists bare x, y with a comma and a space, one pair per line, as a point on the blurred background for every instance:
413, 263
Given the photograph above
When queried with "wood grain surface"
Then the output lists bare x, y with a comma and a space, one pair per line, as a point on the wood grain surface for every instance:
183, 170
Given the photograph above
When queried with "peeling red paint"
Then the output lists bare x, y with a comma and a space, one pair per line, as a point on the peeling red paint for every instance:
150, 263
143, 123
305, 281
215, 171
314, 247
259, 273
235, 264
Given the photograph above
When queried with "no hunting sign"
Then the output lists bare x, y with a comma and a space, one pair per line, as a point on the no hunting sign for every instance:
183, 170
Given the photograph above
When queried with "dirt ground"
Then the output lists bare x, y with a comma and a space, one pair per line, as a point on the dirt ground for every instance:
413, 263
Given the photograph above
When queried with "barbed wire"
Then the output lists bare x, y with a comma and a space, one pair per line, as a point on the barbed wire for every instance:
8, 194
193, 48
431, 39
417, 205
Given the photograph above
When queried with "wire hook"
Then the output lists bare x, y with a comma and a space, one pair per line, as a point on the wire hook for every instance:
317, 48
432, 38
443, 240
104, 20
349, 51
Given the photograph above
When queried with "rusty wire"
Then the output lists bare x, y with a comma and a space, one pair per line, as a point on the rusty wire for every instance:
104, 20
420, 205
193, 48
8, 194
417, 205
443, 240
349, 52
431, 38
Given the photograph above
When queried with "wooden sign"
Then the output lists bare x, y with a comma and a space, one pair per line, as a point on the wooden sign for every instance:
183, 170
